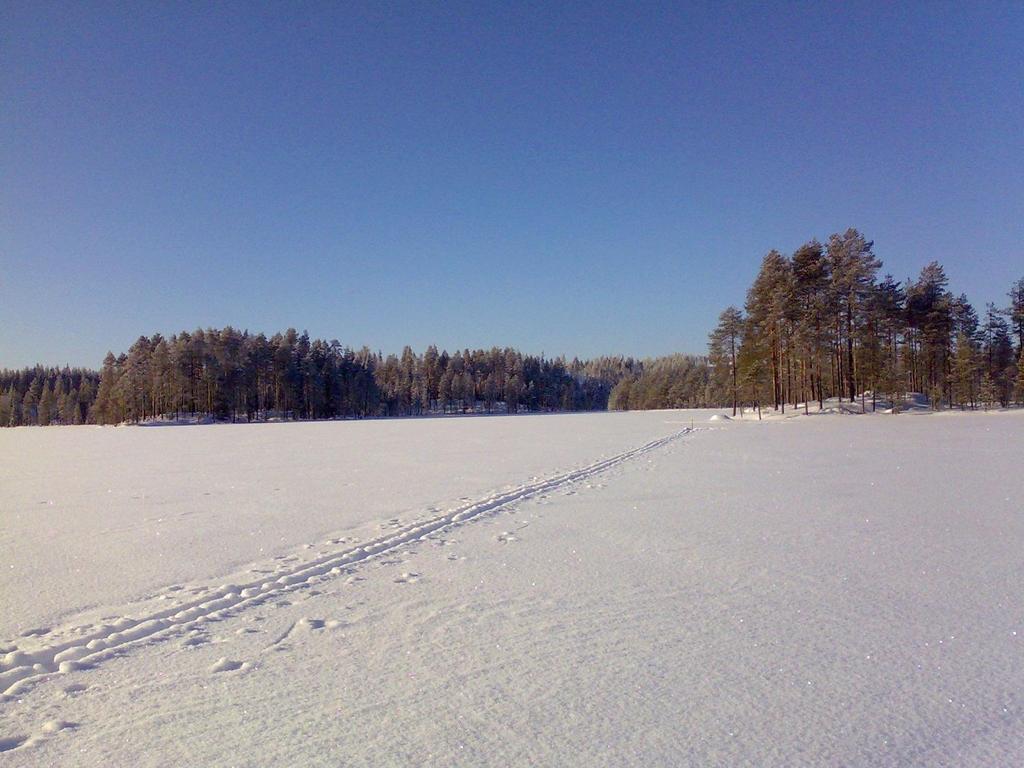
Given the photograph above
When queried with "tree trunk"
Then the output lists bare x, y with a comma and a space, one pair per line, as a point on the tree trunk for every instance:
849, 352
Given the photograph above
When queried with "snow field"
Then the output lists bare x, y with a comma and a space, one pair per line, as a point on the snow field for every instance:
841, 591
74, 647
100, 518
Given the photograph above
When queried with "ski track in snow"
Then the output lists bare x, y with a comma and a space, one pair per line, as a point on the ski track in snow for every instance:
20, 669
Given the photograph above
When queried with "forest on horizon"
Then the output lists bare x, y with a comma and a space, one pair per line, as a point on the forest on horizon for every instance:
821, 324
816, 324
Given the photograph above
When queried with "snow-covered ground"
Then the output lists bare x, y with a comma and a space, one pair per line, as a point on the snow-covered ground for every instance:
604, 589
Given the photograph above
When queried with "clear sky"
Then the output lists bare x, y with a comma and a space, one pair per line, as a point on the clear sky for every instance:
566, 179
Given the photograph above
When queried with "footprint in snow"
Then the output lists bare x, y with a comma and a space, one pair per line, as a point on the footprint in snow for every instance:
322, 623
51, 727
225, 664
408, 578
7, 743
305, 624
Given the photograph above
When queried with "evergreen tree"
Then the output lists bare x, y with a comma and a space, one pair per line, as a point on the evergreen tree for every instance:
467, 393
5, 409
812, 305
853, 266
1016, 313
889, 307
965, 370
619, 398
14, 405
723, 348
105, 408
930, 322
490, 391
72, 412
988, 391
1019, 389
769, 306
752, 362
47, 406
998, 351
30, 402
513, 392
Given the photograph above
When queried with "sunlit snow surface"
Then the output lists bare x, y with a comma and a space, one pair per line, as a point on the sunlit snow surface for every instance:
606, 589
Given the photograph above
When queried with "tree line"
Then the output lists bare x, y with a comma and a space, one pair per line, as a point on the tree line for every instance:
676, 381
821, 324
233, 375
817, 324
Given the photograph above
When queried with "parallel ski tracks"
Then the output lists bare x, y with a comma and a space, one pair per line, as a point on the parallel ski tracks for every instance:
20, 669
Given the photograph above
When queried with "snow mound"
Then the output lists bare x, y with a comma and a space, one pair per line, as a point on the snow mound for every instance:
720, 417
55, 726
224, 664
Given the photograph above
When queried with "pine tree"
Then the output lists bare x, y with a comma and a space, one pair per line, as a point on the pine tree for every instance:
446, 388
490, 391
998, 350
930, 319
59, 400
889, 304
1020, 379
30, 402
5, 409
618, 400
72, 412
431, 374
14, 404
105, 409
811, 275
965, 370
1016, 313
47, 406
752, 362
769, 309
467, 391
894, 382
853, 266
160, 377
723, 348
513, 393
86, 396
988, 391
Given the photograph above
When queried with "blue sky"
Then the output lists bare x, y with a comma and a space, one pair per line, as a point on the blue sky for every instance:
578, 179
